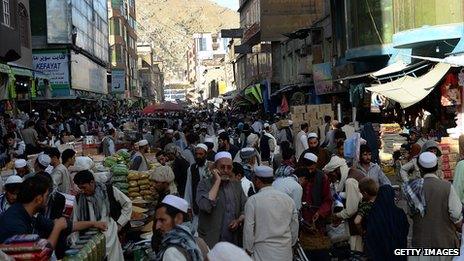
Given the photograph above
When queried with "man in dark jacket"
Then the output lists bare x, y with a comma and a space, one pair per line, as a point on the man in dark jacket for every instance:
179, 167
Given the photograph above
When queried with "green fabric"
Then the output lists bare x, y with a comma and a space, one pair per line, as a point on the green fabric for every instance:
11, 86
4, 68
458, 180
33, 89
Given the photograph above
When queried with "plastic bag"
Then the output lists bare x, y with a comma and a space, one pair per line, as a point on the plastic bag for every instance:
338, 233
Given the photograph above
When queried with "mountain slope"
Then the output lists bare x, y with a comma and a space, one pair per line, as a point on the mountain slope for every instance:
170, 25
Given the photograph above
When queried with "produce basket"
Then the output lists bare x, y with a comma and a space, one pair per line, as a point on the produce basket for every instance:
312, 238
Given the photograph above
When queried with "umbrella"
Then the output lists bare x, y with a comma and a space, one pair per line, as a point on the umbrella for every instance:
162, 107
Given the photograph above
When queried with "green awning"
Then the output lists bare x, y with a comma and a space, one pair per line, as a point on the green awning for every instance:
254, 92
21, 72
4, 68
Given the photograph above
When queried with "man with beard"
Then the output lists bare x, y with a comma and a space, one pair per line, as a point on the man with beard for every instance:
221, 204
15, 148
179, 166
369, 169
172, 241
195, 173
271, 220
225, 145
189, 153
161, 158
323, 156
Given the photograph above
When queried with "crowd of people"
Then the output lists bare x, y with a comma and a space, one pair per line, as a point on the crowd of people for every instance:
229, 186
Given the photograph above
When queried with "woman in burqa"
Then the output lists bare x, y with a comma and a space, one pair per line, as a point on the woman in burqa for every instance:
387, 227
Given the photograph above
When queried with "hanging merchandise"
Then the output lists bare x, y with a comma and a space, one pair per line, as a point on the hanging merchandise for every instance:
33, 89
284, 105
461, 77
11, 86
377, 101
450, 91
357, 94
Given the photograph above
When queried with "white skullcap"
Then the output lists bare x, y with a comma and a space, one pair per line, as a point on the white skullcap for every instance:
20, 163
143, 143
196, 126
209, 140
176, 202
252, 139
44, 160
201, 146
14, 179
222, 155
310, 156
266, 125
225, 251
428, 160
169, 131
264, 172
312, 135
221, 131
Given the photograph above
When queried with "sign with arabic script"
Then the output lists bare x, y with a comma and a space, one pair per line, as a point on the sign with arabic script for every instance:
53, 64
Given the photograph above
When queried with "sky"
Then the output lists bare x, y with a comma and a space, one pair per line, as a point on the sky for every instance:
232, 4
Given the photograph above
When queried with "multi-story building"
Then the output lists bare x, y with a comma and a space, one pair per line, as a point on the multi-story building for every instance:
151, 78
70, 46
209, 69
16, 75
123, 48
265, 24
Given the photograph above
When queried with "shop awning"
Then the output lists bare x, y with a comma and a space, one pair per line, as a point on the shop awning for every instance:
409, 90
21, 72
398, 67
4, 68
254, 92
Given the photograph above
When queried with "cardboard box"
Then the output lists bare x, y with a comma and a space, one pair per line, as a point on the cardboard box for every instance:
298, 109
297, 117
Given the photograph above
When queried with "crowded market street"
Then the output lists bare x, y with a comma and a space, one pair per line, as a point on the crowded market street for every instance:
231, 130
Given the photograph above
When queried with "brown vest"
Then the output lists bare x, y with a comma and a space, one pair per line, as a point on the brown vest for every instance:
435, 229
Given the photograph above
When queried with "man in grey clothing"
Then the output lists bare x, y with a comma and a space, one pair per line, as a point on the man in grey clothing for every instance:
369, 169
221, 204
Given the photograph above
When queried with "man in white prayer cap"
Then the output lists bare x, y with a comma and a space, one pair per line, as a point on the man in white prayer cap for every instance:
172, 239
195, 173
11, 189
436, 208
224, 251
271, 220
221, 203
139, 162
21, 167
323, 155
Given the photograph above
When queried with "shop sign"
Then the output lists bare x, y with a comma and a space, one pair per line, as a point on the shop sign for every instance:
118, 81
87, 75
53, 64
323, 83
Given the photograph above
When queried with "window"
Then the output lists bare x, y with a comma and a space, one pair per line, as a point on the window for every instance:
202, 42
24, 26
6, 12
115, 29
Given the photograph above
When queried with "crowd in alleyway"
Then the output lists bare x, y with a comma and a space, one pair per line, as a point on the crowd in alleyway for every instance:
231, 186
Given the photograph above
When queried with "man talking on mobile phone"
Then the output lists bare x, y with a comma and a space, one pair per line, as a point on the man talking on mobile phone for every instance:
221, 204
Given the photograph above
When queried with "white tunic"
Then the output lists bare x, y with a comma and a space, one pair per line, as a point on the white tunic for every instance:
271, 225
113, 246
